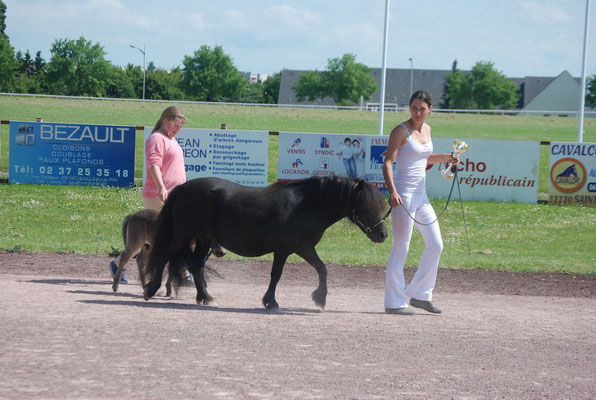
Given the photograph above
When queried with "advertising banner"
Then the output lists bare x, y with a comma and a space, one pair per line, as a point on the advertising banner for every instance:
237, 156
492, 170
71, 154
321, 154
572, 176
376, 147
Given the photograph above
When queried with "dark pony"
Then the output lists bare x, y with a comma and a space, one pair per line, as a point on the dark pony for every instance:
283, 218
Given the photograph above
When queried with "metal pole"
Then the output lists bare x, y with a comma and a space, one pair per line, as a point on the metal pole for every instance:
411, 77
582, 99
384, 69
142, 51
144, 69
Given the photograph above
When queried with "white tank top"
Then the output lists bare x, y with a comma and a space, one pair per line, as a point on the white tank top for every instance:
411, 165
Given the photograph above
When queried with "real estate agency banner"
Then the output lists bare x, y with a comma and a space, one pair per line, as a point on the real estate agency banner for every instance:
237, 156
491, 170
572, 176
320, 154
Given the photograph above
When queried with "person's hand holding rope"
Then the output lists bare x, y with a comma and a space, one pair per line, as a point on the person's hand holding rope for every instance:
395, 199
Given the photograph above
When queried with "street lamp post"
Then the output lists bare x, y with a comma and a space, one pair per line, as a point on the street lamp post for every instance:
411, 76
142, 51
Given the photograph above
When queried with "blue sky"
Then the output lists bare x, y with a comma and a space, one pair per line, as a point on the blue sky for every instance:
521, 37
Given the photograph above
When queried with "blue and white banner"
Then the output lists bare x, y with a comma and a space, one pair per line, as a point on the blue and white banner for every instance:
305, 154
71, 154
237, 156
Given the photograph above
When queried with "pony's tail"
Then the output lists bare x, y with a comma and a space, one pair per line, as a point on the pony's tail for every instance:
178, 268
153, 270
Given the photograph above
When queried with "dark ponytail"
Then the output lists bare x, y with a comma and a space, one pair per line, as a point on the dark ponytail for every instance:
421, 95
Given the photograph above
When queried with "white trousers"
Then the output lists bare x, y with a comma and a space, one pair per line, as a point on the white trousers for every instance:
423, 283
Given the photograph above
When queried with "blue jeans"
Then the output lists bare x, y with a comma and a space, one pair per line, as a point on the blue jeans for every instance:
350, 165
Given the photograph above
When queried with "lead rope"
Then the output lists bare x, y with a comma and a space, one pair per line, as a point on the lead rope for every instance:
446, 204
445, 208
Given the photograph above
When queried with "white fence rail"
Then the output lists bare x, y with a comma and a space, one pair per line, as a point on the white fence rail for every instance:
367, 107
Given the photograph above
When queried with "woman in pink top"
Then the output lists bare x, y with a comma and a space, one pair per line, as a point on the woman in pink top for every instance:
164, 159
165, 165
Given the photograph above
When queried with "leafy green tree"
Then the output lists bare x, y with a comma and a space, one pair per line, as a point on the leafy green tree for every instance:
161, 84
310, 86
271, 89
344, 80
2, 18
135, 74
8, 64
30, 73
483, 88
491, 89
591, 91
210, 75
457, 89
78, 68
251, 93
27, 84
118, 84
39, 63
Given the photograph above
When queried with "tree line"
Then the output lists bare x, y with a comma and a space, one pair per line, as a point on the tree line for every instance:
79, 68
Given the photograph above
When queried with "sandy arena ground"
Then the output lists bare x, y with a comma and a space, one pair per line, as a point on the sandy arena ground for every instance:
66, 335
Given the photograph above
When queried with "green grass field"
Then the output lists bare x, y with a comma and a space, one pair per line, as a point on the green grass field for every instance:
512, 237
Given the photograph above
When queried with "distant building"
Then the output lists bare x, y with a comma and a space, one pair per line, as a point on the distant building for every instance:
254, 77
553, 94
548, 94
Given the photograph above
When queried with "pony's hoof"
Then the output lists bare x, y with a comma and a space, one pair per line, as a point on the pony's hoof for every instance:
115, 288
150, 291
210, 303
271, 306
319, 299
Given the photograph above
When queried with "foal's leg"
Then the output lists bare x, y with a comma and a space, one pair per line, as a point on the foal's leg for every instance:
276, 270
133, 246
319, 296
196, 265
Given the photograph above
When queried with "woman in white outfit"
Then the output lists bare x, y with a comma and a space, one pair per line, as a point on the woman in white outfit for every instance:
410, 143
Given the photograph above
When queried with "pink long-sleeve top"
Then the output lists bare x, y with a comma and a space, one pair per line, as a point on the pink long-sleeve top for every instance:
166, 153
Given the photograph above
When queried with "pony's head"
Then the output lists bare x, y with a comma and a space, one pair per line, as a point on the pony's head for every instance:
368, 211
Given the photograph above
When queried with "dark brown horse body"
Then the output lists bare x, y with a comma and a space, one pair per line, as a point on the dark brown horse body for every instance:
283, 219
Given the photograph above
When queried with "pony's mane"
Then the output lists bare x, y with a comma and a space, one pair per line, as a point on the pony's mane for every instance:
316, 181
342, 187
371, 197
